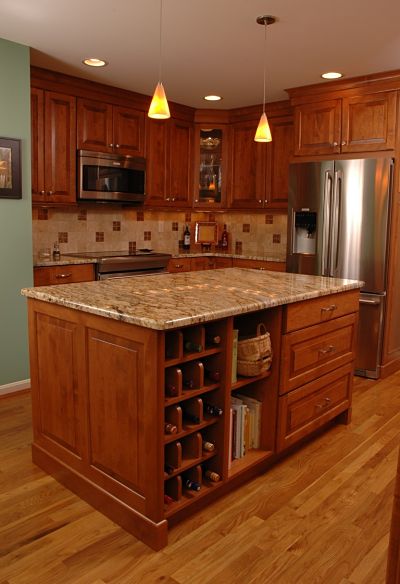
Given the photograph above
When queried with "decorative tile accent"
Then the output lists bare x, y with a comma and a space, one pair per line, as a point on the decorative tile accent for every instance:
269, 219
188, 217
246, 227
43, 214
174, 226
63, 237
99, 236
276, 238
139, 215
147, 235
82, 215
132, 246
116, 225
238, 247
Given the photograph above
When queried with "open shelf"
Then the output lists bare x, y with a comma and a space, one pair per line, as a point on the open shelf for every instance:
189, 393
242, 381
191, 357
189, 462
251, 458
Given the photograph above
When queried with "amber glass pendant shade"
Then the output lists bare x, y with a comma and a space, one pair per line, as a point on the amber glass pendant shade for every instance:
263, 133
159, 108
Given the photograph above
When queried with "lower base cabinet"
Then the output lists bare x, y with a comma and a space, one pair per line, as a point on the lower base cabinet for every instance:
50, 275
138, 422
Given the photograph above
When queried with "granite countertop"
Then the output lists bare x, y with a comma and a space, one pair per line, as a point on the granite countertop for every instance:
170, 301
67, 260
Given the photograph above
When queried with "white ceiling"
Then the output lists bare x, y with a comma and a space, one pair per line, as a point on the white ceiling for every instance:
209, 46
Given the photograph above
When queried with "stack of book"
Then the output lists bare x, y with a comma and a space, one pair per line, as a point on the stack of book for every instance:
245, 425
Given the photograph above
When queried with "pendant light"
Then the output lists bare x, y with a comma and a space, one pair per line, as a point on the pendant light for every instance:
159, 108
263, 133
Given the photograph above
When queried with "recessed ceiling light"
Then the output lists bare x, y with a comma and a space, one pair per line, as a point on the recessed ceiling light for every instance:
212, 97
94, 62
332, 75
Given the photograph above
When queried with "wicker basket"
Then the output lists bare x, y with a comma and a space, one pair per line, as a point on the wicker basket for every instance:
254, 354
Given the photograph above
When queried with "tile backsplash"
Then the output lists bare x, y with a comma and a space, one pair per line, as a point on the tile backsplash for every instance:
106, 229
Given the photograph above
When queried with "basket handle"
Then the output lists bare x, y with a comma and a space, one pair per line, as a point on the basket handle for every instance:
261, 329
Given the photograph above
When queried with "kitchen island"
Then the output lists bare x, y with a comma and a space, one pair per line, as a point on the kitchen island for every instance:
115, 364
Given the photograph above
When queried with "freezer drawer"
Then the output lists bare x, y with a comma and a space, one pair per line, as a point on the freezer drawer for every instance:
370, 332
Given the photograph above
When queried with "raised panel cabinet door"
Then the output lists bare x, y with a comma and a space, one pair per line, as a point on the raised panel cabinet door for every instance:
369, 122
37, 145
128, 131
94, 126
317, 128
60, 147
279, 153
247, 176
179, 168
156, 161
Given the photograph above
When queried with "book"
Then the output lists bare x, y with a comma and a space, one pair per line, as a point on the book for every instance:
254, 406
234, 354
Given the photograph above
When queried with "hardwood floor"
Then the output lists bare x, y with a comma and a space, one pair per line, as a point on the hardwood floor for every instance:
321, 515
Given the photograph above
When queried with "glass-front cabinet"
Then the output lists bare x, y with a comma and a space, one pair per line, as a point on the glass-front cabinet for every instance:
211, 165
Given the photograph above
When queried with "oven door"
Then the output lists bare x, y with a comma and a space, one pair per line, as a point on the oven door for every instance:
108, 177
130, 274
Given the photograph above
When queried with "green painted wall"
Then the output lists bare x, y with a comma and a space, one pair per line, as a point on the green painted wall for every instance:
15, 216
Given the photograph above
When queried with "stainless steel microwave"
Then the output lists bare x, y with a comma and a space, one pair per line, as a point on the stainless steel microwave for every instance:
108, 177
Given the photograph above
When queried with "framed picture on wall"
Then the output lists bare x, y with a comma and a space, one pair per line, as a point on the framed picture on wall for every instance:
10, 169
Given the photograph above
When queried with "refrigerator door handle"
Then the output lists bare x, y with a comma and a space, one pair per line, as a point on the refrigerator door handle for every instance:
335, 222
326, 208
365, 301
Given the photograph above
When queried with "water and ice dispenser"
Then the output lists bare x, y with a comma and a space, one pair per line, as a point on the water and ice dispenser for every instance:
304, 232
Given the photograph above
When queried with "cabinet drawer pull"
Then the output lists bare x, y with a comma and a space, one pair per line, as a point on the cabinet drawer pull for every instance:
178, 265
330, 308
261, 269
329, 349
62, 276
327, 401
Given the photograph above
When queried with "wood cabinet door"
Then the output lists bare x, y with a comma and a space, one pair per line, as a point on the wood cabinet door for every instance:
60, 147
179, 163
317, 128
247, 176
128, 131
279, 153
94, 126
37, 145
369, 122
156, 161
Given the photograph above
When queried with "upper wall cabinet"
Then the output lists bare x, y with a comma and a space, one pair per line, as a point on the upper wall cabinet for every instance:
110, 128
53, 117
169, 147
259, 172
363, 123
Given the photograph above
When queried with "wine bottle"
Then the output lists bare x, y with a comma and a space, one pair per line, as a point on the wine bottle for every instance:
213, 339
212, 410
208, 446
191, 418
186, 238
171, 390
189, 383
212, 476
170, 428
169, 469
224, 238
192, 485
168, 500
214, 374
192, 347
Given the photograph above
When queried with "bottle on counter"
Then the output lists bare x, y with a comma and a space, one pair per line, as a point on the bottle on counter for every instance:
224, 239
56, 251
186, 238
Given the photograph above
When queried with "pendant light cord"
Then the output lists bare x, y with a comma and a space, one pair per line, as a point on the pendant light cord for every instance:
160, 57
265, 57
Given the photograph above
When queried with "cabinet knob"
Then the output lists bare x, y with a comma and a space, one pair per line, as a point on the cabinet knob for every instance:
49, 192
344, 143
173, 199
111, 145
116, 145
196, 200
260, 201
42, 192
334, 143
62, 276
167, 198
265, 201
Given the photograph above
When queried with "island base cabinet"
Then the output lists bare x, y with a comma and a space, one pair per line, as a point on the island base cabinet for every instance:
309, 407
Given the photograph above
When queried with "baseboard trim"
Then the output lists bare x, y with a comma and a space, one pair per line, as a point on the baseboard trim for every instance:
15, 386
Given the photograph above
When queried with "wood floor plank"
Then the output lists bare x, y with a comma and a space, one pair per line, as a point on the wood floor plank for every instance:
320, 515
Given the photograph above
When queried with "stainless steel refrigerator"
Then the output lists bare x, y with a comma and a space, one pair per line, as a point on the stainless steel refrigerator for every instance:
338, 224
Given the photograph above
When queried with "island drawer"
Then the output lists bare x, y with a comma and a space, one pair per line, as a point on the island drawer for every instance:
312, 352
49, 275
305, 409
179, 265
318, 310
